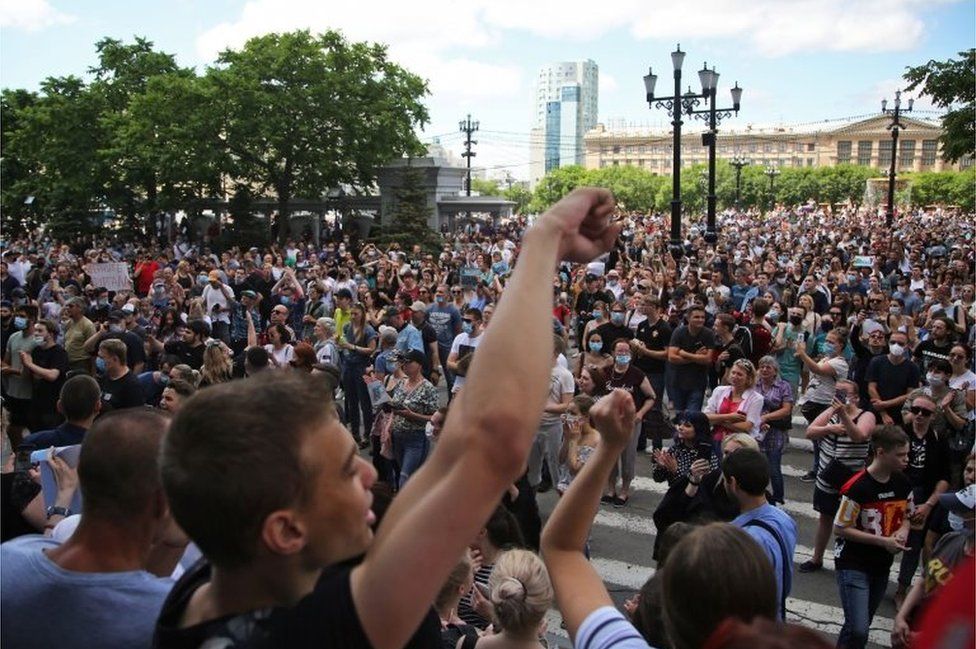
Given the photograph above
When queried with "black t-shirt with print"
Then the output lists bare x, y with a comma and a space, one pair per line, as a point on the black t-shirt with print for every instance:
324, 618
655, 337
124, 392
878, 508
630, 381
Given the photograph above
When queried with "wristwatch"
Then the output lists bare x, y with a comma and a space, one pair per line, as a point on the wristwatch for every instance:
58, 511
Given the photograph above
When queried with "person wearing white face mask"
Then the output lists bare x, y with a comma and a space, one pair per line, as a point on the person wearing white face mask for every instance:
891, 378
47, 364
950, 405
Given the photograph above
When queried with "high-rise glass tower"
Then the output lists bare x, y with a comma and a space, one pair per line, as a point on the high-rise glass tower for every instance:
565, 108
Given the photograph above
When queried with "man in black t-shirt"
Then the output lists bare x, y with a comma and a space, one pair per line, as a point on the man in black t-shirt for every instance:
650, 348
120, 387
48, 365
871, 527
590, 295
114, 329
891, 377
690, 354
937, 345
615, 329
190, 349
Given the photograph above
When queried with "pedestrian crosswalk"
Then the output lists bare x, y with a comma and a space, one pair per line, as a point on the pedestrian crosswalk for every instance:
622, 542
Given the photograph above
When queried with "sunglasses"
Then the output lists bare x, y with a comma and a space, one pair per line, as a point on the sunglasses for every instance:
456, 292
467, 320
919, 412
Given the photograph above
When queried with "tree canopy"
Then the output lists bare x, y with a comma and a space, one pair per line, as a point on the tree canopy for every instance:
288, 115
950, 85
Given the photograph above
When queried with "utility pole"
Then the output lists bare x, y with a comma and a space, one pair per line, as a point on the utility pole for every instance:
468, 127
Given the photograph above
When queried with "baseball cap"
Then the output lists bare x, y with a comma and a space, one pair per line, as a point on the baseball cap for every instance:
116, 315
128, 309
418, 306
249, 294
960, 502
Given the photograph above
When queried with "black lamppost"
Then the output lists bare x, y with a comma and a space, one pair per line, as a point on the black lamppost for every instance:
772, 172
468, 127
894, 127
713, 116
674, 106
738, 162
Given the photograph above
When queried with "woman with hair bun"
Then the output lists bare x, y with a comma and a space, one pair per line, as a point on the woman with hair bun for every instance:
521, 594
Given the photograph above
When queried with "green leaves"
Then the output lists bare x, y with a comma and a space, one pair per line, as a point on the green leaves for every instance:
288, 115
950, 85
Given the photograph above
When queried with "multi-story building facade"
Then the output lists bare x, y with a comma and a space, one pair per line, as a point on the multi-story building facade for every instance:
867, 142
564, 110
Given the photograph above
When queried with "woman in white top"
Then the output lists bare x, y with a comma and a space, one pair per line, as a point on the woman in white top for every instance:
737, 407
279, 349
326, 349
963, 378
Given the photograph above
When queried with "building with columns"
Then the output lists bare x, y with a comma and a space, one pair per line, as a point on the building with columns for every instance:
866, 142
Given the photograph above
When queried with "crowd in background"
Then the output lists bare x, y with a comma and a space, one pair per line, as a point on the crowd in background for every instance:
701, 359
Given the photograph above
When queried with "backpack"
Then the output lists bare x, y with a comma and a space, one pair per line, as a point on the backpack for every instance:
742, 336
762, 342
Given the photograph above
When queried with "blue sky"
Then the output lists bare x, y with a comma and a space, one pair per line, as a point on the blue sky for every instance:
799, 61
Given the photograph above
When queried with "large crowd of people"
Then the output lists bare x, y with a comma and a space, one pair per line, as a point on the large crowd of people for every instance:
341, 444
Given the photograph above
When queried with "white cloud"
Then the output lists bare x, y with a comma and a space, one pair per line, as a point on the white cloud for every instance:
608, 84
886, 88
777, 28
31, 15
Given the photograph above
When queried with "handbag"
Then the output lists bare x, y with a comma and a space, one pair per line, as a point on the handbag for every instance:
836, 473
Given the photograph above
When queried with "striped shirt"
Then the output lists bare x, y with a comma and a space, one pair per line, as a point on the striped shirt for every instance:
841, 447
607, 627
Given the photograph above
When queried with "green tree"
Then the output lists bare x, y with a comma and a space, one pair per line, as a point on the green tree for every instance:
304, 114
520, 195
950, 85
485, 187
16, 169
556, 184
633, 187
55, 139
410, 214
844, 183
122, 76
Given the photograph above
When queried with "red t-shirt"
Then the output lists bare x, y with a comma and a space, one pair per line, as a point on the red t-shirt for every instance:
727, 407
145, 277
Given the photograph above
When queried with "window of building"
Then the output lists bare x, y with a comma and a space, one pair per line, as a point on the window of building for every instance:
811, 146
782, 147
966, 163
768, 147
809, 162
906, 153
884, 154
799, 147
616, 149
864, 152
929, 149
753, 147
844, 152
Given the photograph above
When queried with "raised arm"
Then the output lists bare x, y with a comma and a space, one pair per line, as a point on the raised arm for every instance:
579, 588
487, 435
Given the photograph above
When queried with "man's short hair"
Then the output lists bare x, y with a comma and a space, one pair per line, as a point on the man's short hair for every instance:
200, 328
749, 468
185, 389
118, 470
114, 347
79, 397
233, 456
257, 357
888, 438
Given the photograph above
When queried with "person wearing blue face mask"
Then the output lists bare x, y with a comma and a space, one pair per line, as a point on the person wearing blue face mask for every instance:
592, 354
464, 345
19, 383
617, 327
824, 374
47, 364
120, 387
622, 374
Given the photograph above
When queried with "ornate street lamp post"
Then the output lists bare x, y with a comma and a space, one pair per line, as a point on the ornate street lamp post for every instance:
772, 172
674, 106
713, 116
738, 162
894, 127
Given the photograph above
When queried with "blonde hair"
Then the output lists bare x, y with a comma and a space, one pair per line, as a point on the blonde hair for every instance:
460, 577
521, 592
745, 440
746, 366
217, 366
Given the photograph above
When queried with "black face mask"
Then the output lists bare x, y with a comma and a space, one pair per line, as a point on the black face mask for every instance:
796, 320
826, 326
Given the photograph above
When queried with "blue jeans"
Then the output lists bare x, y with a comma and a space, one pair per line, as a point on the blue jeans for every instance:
690, 400
409, 451
860, 595
772, 446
